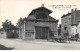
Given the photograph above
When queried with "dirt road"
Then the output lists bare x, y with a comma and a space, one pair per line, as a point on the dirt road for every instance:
18, 44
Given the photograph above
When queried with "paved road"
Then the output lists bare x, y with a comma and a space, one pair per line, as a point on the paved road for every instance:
18, 44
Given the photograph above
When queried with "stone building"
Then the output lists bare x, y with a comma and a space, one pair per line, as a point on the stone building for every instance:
66, 24
69, 22
38, 25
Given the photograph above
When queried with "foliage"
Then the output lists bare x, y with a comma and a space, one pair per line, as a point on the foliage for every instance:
7, 25
12, 31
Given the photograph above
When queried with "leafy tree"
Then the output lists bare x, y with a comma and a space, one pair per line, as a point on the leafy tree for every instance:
7, 24
10, 29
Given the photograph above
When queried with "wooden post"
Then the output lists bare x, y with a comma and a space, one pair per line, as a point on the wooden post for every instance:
19, 33
34, 33
24, 30
48, 34
48, 29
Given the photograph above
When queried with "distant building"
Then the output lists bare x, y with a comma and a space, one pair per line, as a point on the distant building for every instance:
3, 33
38, 25
69, 22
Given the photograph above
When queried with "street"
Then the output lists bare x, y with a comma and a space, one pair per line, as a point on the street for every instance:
17, 44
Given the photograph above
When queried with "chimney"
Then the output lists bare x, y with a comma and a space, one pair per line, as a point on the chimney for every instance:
72, 10
75, 9
42, 4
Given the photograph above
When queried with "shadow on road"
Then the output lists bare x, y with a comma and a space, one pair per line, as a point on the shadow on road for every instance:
2, 47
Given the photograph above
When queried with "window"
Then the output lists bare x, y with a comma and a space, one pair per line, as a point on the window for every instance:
41, 16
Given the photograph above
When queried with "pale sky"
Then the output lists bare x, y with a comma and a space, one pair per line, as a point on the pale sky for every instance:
14, 9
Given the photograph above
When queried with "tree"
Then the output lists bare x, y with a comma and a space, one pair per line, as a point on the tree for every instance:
7, 24
10, 29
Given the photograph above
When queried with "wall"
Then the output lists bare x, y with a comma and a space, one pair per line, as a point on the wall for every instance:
78, 29
54, 28
75, 14
30, 30
21, 31
3, 34
43, 24
73, 30
66, 22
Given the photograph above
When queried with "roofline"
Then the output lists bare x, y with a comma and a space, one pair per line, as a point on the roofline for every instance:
38, 8
44, 7
66, 15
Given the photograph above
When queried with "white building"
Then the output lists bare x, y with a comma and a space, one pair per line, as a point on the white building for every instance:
73, 30
78, 28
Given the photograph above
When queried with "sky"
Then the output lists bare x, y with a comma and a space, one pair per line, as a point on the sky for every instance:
14, 9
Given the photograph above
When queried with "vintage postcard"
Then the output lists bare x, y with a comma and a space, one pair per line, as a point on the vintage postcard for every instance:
39, 24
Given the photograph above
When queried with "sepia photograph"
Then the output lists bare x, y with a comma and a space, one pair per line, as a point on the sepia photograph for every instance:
39, 24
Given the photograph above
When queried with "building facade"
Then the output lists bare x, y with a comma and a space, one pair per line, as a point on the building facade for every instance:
38, 25
66, 24
69, 22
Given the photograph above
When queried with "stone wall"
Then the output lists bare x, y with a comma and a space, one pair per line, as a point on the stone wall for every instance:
3, 34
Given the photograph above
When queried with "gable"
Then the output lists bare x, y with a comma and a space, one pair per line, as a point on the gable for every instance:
43, 9
41, 16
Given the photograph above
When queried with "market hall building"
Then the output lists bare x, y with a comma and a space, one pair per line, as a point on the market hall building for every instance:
38, 25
